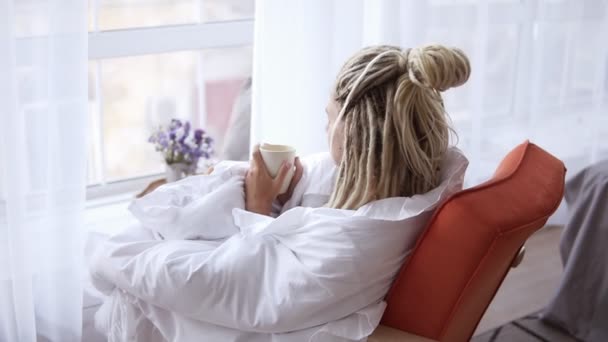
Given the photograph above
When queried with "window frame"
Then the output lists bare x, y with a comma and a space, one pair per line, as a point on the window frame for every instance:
148, 41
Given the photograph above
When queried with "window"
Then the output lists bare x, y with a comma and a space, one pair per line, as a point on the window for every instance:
150, 61
538, 68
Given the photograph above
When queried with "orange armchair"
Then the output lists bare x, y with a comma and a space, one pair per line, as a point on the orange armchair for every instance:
466, 251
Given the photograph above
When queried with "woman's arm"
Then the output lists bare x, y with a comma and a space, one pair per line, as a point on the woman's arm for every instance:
249, 283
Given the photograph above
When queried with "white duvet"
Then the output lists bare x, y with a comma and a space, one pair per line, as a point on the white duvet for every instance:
200, 268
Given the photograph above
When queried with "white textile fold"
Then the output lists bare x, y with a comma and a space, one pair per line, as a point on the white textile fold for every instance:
310, 272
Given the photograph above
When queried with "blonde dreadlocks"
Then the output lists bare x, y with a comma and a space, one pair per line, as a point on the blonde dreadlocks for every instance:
396, 128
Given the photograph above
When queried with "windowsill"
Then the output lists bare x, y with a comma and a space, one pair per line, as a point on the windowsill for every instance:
115, 189
106, 208
109, 215
109, 200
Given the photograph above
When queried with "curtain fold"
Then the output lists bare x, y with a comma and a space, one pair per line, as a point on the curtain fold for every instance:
43, 115
539, 70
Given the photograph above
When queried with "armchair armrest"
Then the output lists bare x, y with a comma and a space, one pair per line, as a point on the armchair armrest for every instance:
386, 334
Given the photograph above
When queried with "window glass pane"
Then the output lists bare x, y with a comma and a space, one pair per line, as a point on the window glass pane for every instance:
551, 45
500, 67
123, 14
226, 72
584, 62
223, 10
140, 93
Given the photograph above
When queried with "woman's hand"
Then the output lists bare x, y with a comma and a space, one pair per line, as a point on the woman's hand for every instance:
283, 198
260, 188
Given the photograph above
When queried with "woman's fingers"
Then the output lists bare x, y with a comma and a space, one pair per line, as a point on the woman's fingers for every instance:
297, 175
299, 171
283, 172
258, 162
256, 156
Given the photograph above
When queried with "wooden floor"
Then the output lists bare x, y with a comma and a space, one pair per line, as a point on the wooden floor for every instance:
529, 287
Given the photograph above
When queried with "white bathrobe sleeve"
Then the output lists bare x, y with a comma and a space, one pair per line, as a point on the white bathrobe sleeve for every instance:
192, 208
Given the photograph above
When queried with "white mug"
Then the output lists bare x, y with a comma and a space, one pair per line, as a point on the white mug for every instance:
274, 156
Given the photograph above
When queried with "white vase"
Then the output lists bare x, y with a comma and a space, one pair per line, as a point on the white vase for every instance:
176, 171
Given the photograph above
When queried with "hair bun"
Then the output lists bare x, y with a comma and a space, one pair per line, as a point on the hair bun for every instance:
438, 67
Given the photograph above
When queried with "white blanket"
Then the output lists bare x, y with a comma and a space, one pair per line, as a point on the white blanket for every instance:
311, 274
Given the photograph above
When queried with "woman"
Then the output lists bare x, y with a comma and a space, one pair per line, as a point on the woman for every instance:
320, 269
387, 127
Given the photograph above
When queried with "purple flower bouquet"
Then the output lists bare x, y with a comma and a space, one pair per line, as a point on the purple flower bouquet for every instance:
179, 147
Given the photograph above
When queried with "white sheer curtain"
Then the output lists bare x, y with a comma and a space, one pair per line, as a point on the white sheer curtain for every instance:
43, 108
539, 70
